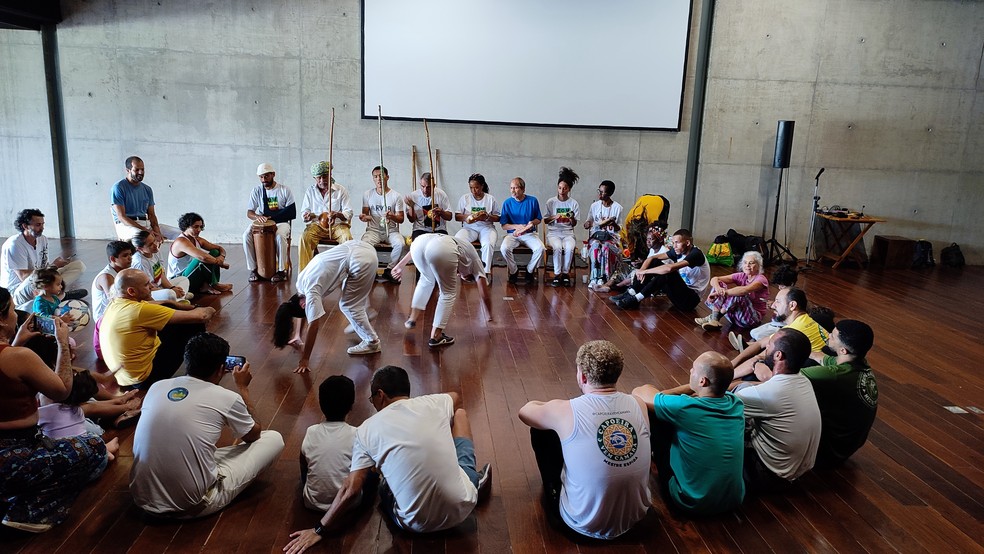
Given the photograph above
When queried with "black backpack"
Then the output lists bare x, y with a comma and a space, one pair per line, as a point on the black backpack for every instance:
923, 255
951, 256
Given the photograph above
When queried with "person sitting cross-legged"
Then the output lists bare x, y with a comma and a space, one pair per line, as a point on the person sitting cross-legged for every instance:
593, 451
683, 278
741, 296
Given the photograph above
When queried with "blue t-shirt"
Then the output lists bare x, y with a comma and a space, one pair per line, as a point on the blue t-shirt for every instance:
516, 212
134, 199
706, 451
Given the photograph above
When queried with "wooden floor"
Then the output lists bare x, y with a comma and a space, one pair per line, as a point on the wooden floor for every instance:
917, 486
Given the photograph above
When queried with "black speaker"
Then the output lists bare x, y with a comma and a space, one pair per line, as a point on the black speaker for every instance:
784, 143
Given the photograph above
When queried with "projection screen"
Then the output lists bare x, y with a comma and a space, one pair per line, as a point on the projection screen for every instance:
577, 63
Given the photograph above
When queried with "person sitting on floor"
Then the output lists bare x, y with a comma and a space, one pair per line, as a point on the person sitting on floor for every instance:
683, 279
594, 465
423, 448
846, 390
147, 258
326, 452
65, 419
742, 297
698, 441
178, 469
197, 259
783, 277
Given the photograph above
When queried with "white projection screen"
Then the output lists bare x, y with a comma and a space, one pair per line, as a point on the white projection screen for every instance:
573, 63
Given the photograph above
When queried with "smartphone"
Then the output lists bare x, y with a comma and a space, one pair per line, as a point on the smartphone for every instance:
232, 362
45, 324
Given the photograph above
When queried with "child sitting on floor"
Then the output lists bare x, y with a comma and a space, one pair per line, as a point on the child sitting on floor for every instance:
59, 420
49, 284
326, 453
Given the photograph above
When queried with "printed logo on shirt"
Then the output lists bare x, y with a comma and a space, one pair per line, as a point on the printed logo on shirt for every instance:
158, 272
272, 203
564, 215
617, 441
177, 394
477, 209
867, 389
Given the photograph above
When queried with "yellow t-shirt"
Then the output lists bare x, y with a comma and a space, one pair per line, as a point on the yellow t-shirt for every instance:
812, 330
128, 338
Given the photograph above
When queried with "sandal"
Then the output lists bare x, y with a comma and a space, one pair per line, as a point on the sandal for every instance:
254, 276
278, 277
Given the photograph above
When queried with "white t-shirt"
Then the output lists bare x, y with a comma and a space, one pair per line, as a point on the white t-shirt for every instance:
174, 444
421, 202
278, 198
410, 442
328, 271
785, 423
17, 253
374, 201
317, 204
599, 212
468, 206
567, 212
152, 266
327, 447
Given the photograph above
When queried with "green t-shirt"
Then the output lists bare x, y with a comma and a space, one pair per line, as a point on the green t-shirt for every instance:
706, 451
848, 398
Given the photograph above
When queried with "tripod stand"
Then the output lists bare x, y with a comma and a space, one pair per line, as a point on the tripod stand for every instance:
774, 249
810, 250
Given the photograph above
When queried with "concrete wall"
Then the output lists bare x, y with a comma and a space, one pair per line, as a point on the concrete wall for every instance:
206, 91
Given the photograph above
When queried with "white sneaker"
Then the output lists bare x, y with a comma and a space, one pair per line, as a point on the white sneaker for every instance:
364, 347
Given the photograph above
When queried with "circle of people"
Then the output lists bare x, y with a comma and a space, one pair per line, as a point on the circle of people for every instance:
798, 395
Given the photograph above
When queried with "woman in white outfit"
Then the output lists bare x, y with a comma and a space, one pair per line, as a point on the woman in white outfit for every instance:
478, 211
439, 260
561, 216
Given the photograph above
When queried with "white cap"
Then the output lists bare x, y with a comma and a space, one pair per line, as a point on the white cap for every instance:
264, 168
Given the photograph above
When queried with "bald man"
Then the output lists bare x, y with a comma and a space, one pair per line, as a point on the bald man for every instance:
698, 441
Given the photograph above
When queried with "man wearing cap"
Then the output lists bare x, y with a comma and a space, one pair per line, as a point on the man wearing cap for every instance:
269, 201
133, 205
327, 211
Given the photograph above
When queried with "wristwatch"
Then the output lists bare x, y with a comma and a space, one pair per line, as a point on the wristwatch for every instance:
318, 529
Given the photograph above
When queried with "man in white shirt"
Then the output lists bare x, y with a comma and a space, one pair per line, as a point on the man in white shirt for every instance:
423, 448
26, 251
428, 209
269, 201
178, 471
782, 416
327, 210
383, 211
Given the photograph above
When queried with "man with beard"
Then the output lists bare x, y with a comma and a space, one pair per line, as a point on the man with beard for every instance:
26, 251
327, 211
429, 210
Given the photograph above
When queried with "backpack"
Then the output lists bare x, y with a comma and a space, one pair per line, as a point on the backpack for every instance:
720, 252
923, 255
743, 243
951, 256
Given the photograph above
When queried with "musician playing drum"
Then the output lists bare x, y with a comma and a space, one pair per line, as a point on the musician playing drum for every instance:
269, 201
326, 210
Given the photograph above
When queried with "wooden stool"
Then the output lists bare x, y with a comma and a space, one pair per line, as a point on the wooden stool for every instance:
892, 252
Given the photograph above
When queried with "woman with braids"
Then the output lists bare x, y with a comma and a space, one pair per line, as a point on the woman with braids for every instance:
603, 244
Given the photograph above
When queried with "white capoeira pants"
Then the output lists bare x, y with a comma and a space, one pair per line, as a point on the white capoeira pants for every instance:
436, 260
350, 266
26, 290
125, 232
563, 252
531, 241
375, 235
487, 238
283, 235
167, 294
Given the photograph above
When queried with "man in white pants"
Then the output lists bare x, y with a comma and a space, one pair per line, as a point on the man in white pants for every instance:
519, 217
269, 201
478, 211
383, 216
350, 266
177, 470
439, 260
133, 205
26, 251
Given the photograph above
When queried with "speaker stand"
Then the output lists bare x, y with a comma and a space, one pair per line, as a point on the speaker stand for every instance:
774, 249
810, 248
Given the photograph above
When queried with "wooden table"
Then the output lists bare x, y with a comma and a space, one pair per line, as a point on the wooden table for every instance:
834, 224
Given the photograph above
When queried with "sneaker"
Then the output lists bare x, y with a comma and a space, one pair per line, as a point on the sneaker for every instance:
36, 527
619, 297
708, 323
364, 347
737, 341
630, 302
530, 277
514, 277
409, 324
565, 280
556, 281
74, 294
443, 341
485, 482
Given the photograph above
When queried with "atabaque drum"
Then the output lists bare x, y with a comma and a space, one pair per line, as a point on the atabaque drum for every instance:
265, 245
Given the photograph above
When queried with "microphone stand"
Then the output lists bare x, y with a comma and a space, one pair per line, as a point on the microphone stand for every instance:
810, 250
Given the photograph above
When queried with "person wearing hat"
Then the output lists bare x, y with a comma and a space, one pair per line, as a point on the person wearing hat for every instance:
327, 211
269, 201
